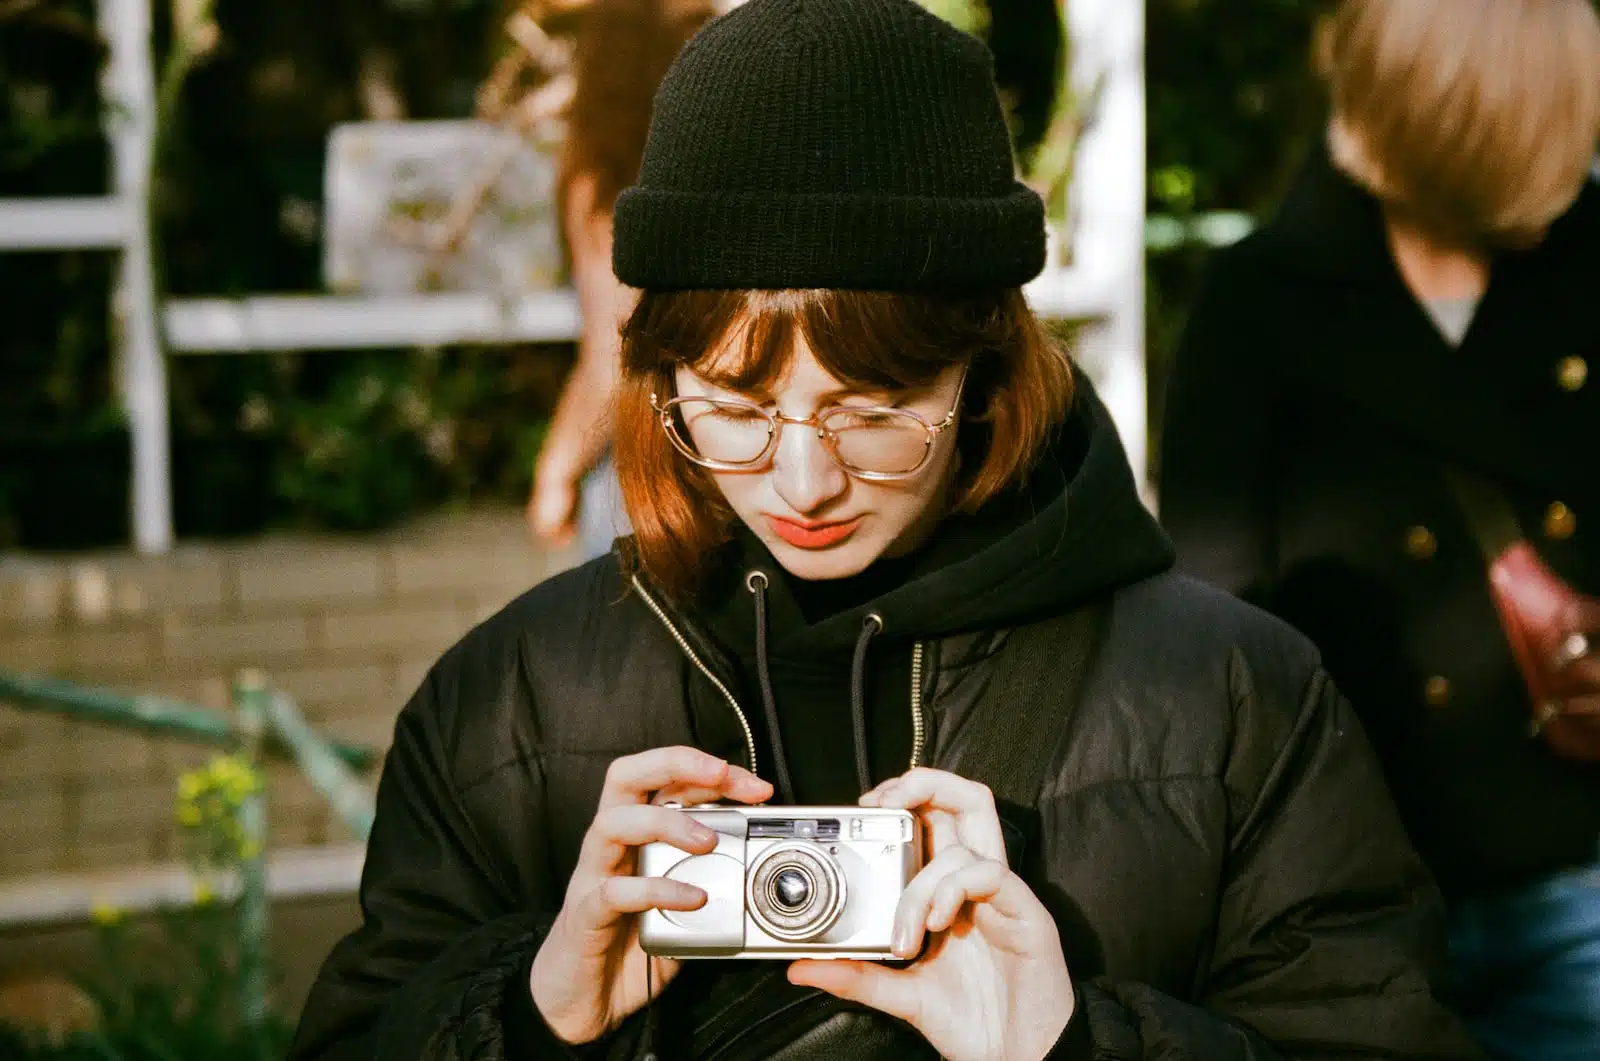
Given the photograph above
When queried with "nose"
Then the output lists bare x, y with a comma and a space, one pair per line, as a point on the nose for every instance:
804, 474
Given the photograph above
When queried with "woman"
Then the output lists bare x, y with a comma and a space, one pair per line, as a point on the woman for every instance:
1422, 311
862, 483
622, 49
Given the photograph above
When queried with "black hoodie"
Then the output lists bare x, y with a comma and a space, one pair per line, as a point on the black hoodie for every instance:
1072, 531
1226, 874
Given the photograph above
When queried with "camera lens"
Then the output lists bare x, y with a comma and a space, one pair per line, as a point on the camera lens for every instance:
795, 892
791, 889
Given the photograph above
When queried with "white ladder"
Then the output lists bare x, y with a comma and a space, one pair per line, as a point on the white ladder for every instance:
118, 221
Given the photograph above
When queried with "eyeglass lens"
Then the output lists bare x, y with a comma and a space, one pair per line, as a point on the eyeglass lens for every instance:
869, 440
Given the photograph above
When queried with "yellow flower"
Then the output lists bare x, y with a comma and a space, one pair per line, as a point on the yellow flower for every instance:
105, 914
189, 815
203, 895
190, 784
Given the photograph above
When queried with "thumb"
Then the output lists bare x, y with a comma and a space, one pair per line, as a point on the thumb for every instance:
886, 990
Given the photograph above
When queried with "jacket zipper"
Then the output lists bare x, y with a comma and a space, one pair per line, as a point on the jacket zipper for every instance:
918, 727
918, 732
688, 650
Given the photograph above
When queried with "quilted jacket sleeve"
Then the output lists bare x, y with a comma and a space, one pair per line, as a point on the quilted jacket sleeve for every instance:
438, 968
1328, 929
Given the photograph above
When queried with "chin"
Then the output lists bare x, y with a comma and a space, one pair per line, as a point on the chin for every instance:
818, 565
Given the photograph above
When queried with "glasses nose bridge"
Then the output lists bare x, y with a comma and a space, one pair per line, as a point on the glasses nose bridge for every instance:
814, 420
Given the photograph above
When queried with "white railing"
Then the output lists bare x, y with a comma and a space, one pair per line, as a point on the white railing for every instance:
1108, 208
1104, 285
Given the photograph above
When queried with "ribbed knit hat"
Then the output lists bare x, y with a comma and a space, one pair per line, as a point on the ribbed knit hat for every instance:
829, 143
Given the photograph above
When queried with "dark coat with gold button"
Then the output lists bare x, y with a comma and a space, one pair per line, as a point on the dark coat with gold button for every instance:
1313, 411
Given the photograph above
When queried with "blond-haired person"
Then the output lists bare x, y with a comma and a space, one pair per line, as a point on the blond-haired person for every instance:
1426, 302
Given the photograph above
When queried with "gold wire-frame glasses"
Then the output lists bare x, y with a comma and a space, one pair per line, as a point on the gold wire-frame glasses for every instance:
878, 443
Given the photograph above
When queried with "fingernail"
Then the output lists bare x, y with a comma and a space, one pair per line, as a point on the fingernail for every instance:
901, 941
701, 834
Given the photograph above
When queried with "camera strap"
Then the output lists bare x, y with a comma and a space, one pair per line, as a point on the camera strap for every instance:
1011, 736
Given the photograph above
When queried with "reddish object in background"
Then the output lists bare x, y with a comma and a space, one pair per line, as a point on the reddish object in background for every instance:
1551, 629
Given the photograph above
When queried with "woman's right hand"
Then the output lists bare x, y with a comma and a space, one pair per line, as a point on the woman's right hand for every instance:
589, 973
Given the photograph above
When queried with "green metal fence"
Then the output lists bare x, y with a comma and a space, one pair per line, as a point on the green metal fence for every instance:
264, 723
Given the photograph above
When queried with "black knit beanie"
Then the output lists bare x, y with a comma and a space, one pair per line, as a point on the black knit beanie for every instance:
829, 143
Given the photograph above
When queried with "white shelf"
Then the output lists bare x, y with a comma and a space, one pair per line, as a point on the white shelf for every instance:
67, 898
340, 322
86, 223
350, 322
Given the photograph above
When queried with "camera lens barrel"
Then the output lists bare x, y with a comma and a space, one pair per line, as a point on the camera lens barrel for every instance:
796, 892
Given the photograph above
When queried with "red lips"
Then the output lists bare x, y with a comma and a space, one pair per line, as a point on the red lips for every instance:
812, 534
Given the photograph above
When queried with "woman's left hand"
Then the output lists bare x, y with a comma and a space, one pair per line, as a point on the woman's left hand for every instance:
993, 984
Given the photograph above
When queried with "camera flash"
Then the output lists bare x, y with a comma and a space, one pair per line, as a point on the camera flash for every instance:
884, 829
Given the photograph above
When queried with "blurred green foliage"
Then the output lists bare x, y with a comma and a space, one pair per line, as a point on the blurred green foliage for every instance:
1233, 107
167, 987
359, 441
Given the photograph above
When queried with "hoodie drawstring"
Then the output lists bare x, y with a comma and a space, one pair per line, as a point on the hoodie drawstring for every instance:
756, 583
858, 698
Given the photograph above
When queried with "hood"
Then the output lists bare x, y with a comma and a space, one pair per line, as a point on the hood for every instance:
1076, 530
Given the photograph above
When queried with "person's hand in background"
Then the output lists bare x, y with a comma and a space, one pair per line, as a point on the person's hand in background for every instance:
580, 428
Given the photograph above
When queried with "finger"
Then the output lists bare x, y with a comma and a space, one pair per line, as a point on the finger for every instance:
618, 897
632, 778
1584, 616
741, 785
972, 805
911, 915
617, 830
984, 881
885, 990
1585, 707
1580, 672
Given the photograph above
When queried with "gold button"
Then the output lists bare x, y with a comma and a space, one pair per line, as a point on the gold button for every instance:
1572, 373
1437, 691
1421, 543
1560, 523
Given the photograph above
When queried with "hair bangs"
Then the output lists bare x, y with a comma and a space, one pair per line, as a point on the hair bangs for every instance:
873, 340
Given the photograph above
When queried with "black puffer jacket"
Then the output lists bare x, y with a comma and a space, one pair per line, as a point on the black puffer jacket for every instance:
1214, 838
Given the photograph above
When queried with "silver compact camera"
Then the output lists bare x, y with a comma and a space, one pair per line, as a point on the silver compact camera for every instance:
786, 882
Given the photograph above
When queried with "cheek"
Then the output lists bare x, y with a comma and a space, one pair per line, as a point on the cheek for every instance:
739, 491
898, 506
